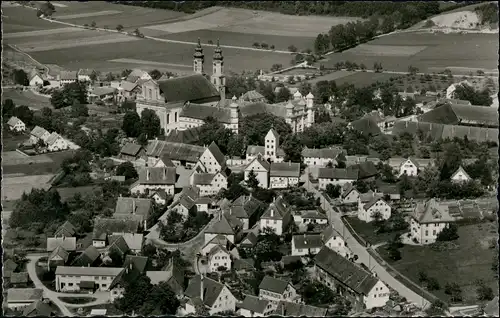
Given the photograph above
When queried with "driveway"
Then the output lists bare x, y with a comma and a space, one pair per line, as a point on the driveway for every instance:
102, 297
364, 256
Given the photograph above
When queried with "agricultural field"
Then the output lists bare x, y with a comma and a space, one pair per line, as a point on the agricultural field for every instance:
19, 19
17, 164
427, 51
28, 98
469, 260
358, 79
15, 185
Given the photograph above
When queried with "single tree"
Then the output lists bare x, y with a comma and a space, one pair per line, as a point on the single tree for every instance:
252, 180
119, 27
127, 170
131, 124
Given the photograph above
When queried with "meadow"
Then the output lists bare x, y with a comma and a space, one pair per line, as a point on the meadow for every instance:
27, 98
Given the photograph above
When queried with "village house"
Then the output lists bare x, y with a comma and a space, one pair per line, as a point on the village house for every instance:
213, 159
180, 154
151, 179
87, 258
219, 239
84, 75
410, 166
270, 151
260, 168
349, 194
253, 306
172, 274
55, 142
68, 243
225, 225
159, 196
247, 209
67, 77
184, 206
165, 161
333, 240
336, 176
19, 280
9, 267
131, 152
244, 265
289, 309
16, 124
277, 216
133, 267
138, 74
370, 204
203, 204
58, 257
460, 176
103, 227
209, 183
38, 133
310, 217
129, 91
321, 157
284, 174
428, 220
71, 279
66, 230
306, 244
36, 79
134, 241
248, 241
38, 309
350, 280
253, 97
133, 208
218, 257
102, 94
20, 298
277, 290
215, 296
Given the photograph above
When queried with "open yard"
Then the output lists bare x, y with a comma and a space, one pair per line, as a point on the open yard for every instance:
367, 231
471, 260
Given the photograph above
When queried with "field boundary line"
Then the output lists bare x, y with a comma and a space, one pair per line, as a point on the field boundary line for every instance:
15, 48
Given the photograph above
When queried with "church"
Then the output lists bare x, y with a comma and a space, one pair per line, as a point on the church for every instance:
184, 102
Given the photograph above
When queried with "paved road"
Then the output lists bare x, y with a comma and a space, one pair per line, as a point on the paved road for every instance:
101, 297
363, 254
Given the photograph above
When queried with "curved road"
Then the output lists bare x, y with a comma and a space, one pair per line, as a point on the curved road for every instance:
363, 254
101, 297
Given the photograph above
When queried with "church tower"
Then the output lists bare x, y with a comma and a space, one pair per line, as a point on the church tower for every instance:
218, 78
234, 119
310, 110
199, 59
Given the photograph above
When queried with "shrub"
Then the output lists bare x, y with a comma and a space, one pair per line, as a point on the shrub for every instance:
449, 233
432, 284
292, 48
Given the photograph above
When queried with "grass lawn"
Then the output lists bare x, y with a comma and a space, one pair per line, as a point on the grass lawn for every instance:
77, 300
10, 141
27, 98
367, 231
40, 168
470, 261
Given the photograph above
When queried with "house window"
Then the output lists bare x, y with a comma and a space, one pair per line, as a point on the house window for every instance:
103, 285
275, 222
96, 277
426, 233
433, 232
70, 284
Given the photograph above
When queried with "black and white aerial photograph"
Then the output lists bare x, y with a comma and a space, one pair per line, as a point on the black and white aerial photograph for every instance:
250, 158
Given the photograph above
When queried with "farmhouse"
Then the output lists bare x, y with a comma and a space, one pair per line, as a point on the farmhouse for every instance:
270, 151
253, 97
310, 216
253, 306
350, 280
428, 220
73, 278
277, 290
306, 244
367, 211
289, 309
104, 227
20, 298
36, 79
38, 309
87, 258
460, 175
131, 152
84, 75
67, 77
367, 126
349, 194
321, 157
336, 176
260, 168
463, 115
158, 178
209, 183
38, 133
172, 274
66, 229
16, 124
55, 142
179, 153
246, 209
133, 208
217, 257
333, 240
215, 296
226, 225
277, 216
409, 166
284, 174
103, 94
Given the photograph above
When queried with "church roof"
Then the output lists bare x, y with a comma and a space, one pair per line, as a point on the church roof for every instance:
201, 112
187, 88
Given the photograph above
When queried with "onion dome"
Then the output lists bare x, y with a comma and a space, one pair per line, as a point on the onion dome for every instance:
218, 52
198, 52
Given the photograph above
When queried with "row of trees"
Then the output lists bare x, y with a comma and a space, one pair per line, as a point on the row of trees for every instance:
144, 127
22, 112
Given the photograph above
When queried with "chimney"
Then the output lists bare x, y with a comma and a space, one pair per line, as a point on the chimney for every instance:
133, 206
272, 212
201, 288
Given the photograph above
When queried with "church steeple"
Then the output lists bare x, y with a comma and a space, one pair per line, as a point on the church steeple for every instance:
218, 78
199, 59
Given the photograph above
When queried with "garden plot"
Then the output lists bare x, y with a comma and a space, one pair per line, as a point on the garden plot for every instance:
386, 50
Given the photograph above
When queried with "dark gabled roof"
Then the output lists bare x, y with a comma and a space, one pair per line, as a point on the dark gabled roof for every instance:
118, 244
200, 112
174, 150
285, 169
336, 173
218, 155
158, 175
328, 233
222, 226
345, 271
125, 206
187, 88
68, 243
61, 252
327, 153
38, 309
264, 163
365, 169
244, 263
453, 114
245, 206
187, 136
273, 284
66, 228
307, 241
87, 257
374, 200
276, 210
289, 309
432, 212
9, 265
203, 178
255, 304
131, 149
105, 226
367, 126
140, 263
19, 278
251, 238
211, 289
